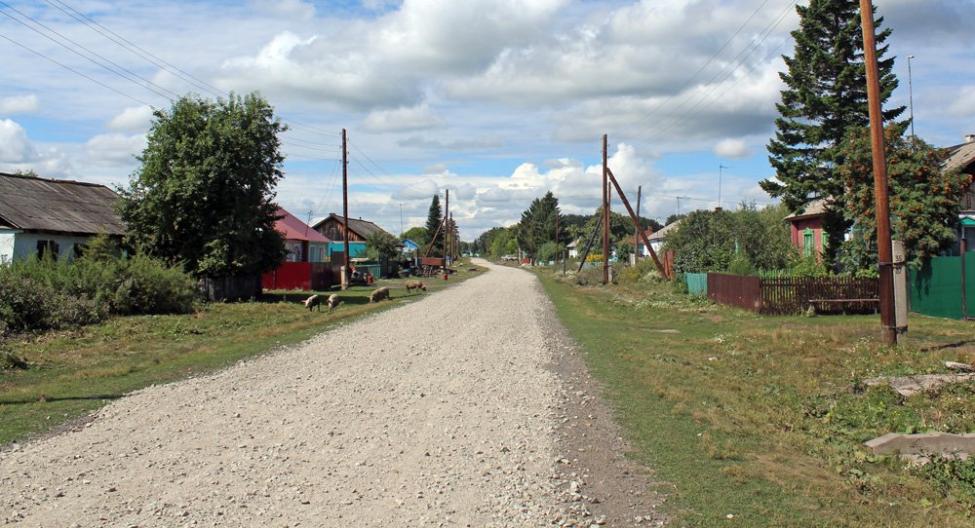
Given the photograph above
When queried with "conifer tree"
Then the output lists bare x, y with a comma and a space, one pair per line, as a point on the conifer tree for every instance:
825, 97
434, 219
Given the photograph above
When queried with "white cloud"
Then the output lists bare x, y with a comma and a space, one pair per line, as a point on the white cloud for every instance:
115, 149
19, 104
402, 119
732, 148
14, 145
132, 118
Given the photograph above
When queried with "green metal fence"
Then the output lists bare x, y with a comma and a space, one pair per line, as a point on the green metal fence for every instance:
697, 283
936, 289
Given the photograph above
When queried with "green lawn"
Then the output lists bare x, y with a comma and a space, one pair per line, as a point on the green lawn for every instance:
762, 418
73, 373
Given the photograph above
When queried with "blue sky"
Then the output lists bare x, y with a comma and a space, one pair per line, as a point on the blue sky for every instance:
497, 100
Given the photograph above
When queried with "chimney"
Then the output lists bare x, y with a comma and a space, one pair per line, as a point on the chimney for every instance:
970, 138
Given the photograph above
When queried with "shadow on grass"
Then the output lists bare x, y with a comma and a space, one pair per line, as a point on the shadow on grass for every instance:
957, 344
93, 397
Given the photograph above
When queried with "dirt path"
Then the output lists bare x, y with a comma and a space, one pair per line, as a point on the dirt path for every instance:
393, 420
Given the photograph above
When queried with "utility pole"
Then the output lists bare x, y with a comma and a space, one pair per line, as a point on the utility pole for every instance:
721, 169
885, 251
345, 208
446, 231
636, 236
558, 252
605, 210
910, 91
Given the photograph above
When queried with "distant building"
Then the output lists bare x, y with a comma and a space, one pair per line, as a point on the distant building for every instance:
40, 216
573, 249
806, 228
303, 243
359, 230
658, 239
962, 158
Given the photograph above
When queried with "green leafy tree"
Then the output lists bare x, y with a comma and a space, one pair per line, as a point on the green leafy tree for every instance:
203, 195
924, 199
381, 245
434, 219
746, 239
418, 234
825, 97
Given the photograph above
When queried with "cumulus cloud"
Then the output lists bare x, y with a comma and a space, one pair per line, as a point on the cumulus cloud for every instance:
419, 142
132, 118
19, 104
732, 148
14, 145
402, 119
115, 149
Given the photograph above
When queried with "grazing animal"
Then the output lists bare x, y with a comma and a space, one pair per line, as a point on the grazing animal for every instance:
415, 285
333, 301
315, 301
379, 294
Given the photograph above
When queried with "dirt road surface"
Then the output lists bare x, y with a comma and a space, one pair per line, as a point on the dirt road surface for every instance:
465, 408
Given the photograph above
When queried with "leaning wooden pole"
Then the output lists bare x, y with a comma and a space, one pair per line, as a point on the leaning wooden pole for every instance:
606, 216
639, 227
885, 252
636, 222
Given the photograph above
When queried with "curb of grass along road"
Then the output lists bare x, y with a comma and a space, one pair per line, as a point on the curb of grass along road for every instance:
74, 373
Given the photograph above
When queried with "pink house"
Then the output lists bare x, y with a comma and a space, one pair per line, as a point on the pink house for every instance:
807, 228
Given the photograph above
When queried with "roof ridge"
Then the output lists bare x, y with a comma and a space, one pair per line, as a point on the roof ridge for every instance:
52, 180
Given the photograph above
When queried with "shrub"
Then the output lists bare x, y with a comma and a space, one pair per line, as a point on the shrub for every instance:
41, 294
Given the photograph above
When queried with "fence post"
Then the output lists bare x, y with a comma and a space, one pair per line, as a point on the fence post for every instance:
964, 285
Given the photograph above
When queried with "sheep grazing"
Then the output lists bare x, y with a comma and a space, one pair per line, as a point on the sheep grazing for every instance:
315, 301
379, 294
415, 285
333, 301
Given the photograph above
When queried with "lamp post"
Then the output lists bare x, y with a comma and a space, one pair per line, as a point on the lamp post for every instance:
910, 91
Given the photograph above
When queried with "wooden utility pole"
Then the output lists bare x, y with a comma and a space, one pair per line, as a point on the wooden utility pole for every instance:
636, 236
446, 231
558, 251
885, 253
345, 208
605, 210
636, 223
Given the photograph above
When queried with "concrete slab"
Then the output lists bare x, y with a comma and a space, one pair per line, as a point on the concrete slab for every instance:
911, 385
927, 444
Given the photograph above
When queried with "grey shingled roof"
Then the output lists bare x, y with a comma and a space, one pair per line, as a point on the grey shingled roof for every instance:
363, 228
961, 157
40, 204
814, 208
665, 231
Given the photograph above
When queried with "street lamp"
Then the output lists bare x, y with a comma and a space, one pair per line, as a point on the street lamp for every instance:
910, 91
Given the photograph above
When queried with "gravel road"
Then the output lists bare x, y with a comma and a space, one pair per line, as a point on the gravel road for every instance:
448, 411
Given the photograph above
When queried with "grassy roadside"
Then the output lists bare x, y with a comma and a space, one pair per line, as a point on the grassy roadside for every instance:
760, 418
73, 373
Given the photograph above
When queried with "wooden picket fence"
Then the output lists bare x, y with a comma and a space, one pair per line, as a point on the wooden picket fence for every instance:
786, 296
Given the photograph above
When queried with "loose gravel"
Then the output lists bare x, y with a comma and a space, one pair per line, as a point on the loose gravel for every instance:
455, 410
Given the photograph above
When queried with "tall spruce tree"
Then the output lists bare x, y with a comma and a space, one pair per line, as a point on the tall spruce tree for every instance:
825, 97
434, 219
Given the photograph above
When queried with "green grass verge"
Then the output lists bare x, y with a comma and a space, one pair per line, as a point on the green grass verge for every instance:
73, 373
761, 418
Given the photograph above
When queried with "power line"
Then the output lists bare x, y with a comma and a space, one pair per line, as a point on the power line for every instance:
72, 70
674, 119
710, 60
106, 63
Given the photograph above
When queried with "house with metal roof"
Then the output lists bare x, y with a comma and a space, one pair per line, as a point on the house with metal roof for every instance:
40, 216
359, 230
303, 243
962, 158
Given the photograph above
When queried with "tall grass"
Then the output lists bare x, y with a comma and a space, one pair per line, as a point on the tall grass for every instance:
42, 294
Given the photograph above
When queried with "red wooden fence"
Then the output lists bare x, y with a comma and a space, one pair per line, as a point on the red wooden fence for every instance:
785, 296
303, 276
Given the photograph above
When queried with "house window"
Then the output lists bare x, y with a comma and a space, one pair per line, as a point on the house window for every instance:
808, 242
79, 250
47, 247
